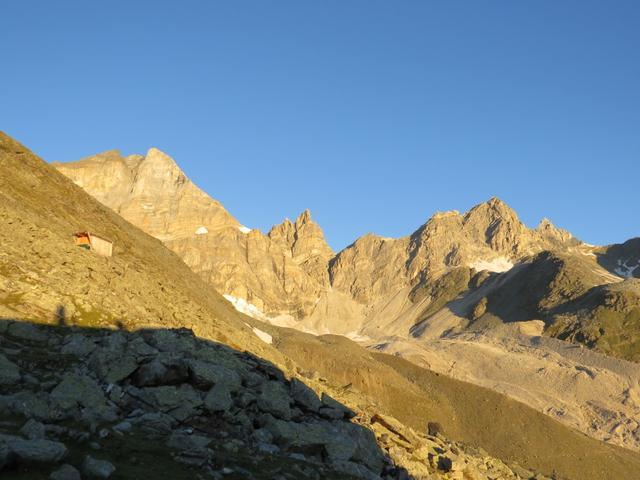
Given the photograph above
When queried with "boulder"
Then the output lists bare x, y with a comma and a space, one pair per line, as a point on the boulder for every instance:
366, 450
78, 345
112, 368
141, 349
35, 405
218, 399
155, 423
78, 390
334, 410
157, 372
65, 472
310, 438
174, 341
204, 375
182, 441
274, 399
94, 468
80, 395
33, 430
304, 396
37, 451
180, 402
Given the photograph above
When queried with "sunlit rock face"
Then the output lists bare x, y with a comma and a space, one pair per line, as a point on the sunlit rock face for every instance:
281, 273
291, 273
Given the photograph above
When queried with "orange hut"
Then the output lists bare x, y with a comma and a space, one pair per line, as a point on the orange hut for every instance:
100, 245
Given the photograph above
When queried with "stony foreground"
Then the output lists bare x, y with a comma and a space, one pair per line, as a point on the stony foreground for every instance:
79, 403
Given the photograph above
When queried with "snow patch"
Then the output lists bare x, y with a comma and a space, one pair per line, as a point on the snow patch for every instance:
282, 320
499, 265
264, 336
202, 231
624, 270
244, 229
241, 305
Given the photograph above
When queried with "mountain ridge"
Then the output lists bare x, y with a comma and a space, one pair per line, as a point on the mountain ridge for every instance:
291, 276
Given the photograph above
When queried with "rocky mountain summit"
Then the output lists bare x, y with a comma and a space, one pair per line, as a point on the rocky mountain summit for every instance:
276, 272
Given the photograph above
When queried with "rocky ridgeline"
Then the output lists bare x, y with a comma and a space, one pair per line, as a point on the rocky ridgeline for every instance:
80, 403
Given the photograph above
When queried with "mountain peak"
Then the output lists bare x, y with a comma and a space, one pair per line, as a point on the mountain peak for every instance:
499, 206
304, 217
160, 160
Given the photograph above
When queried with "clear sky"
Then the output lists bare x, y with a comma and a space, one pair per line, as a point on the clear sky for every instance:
373, 114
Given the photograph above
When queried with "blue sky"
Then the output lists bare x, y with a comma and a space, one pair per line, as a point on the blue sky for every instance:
373, 114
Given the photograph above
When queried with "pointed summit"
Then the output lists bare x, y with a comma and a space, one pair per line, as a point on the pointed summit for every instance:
157, 157
498, 206
550, 233
304, 217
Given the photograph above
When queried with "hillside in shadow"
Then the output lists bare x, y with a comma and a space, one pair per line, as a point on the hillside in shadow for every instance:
162, 403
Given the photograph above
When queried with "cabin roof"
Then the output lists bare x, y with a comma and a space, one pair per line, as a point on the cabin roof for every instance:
89, 234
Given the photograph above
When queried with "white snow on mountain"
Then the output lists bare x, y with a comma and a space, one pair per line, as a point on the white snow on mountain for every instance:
500, 264
625, 270
241, 305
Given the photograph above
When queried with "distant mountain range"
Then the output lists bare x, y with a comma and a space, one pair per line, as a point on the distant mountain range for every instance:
457, 272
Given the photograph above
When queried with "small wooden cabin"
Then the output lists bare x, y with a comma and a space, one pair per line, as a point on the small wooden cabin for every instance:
100, 245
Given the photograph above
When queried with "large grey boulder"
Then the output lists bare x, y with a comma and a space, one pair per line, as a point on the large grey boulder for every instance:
304, 396
181, 441
35, 405
172, 341
274, 398
65, 472
94, 468
155, 423
37, 451
218, 399
78, 390
169, 371
141, 349
334, 410
80, 395
310, 438
112, 367
205, 374
33, 430
180, 402
78, 345
9, 371
366, 450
